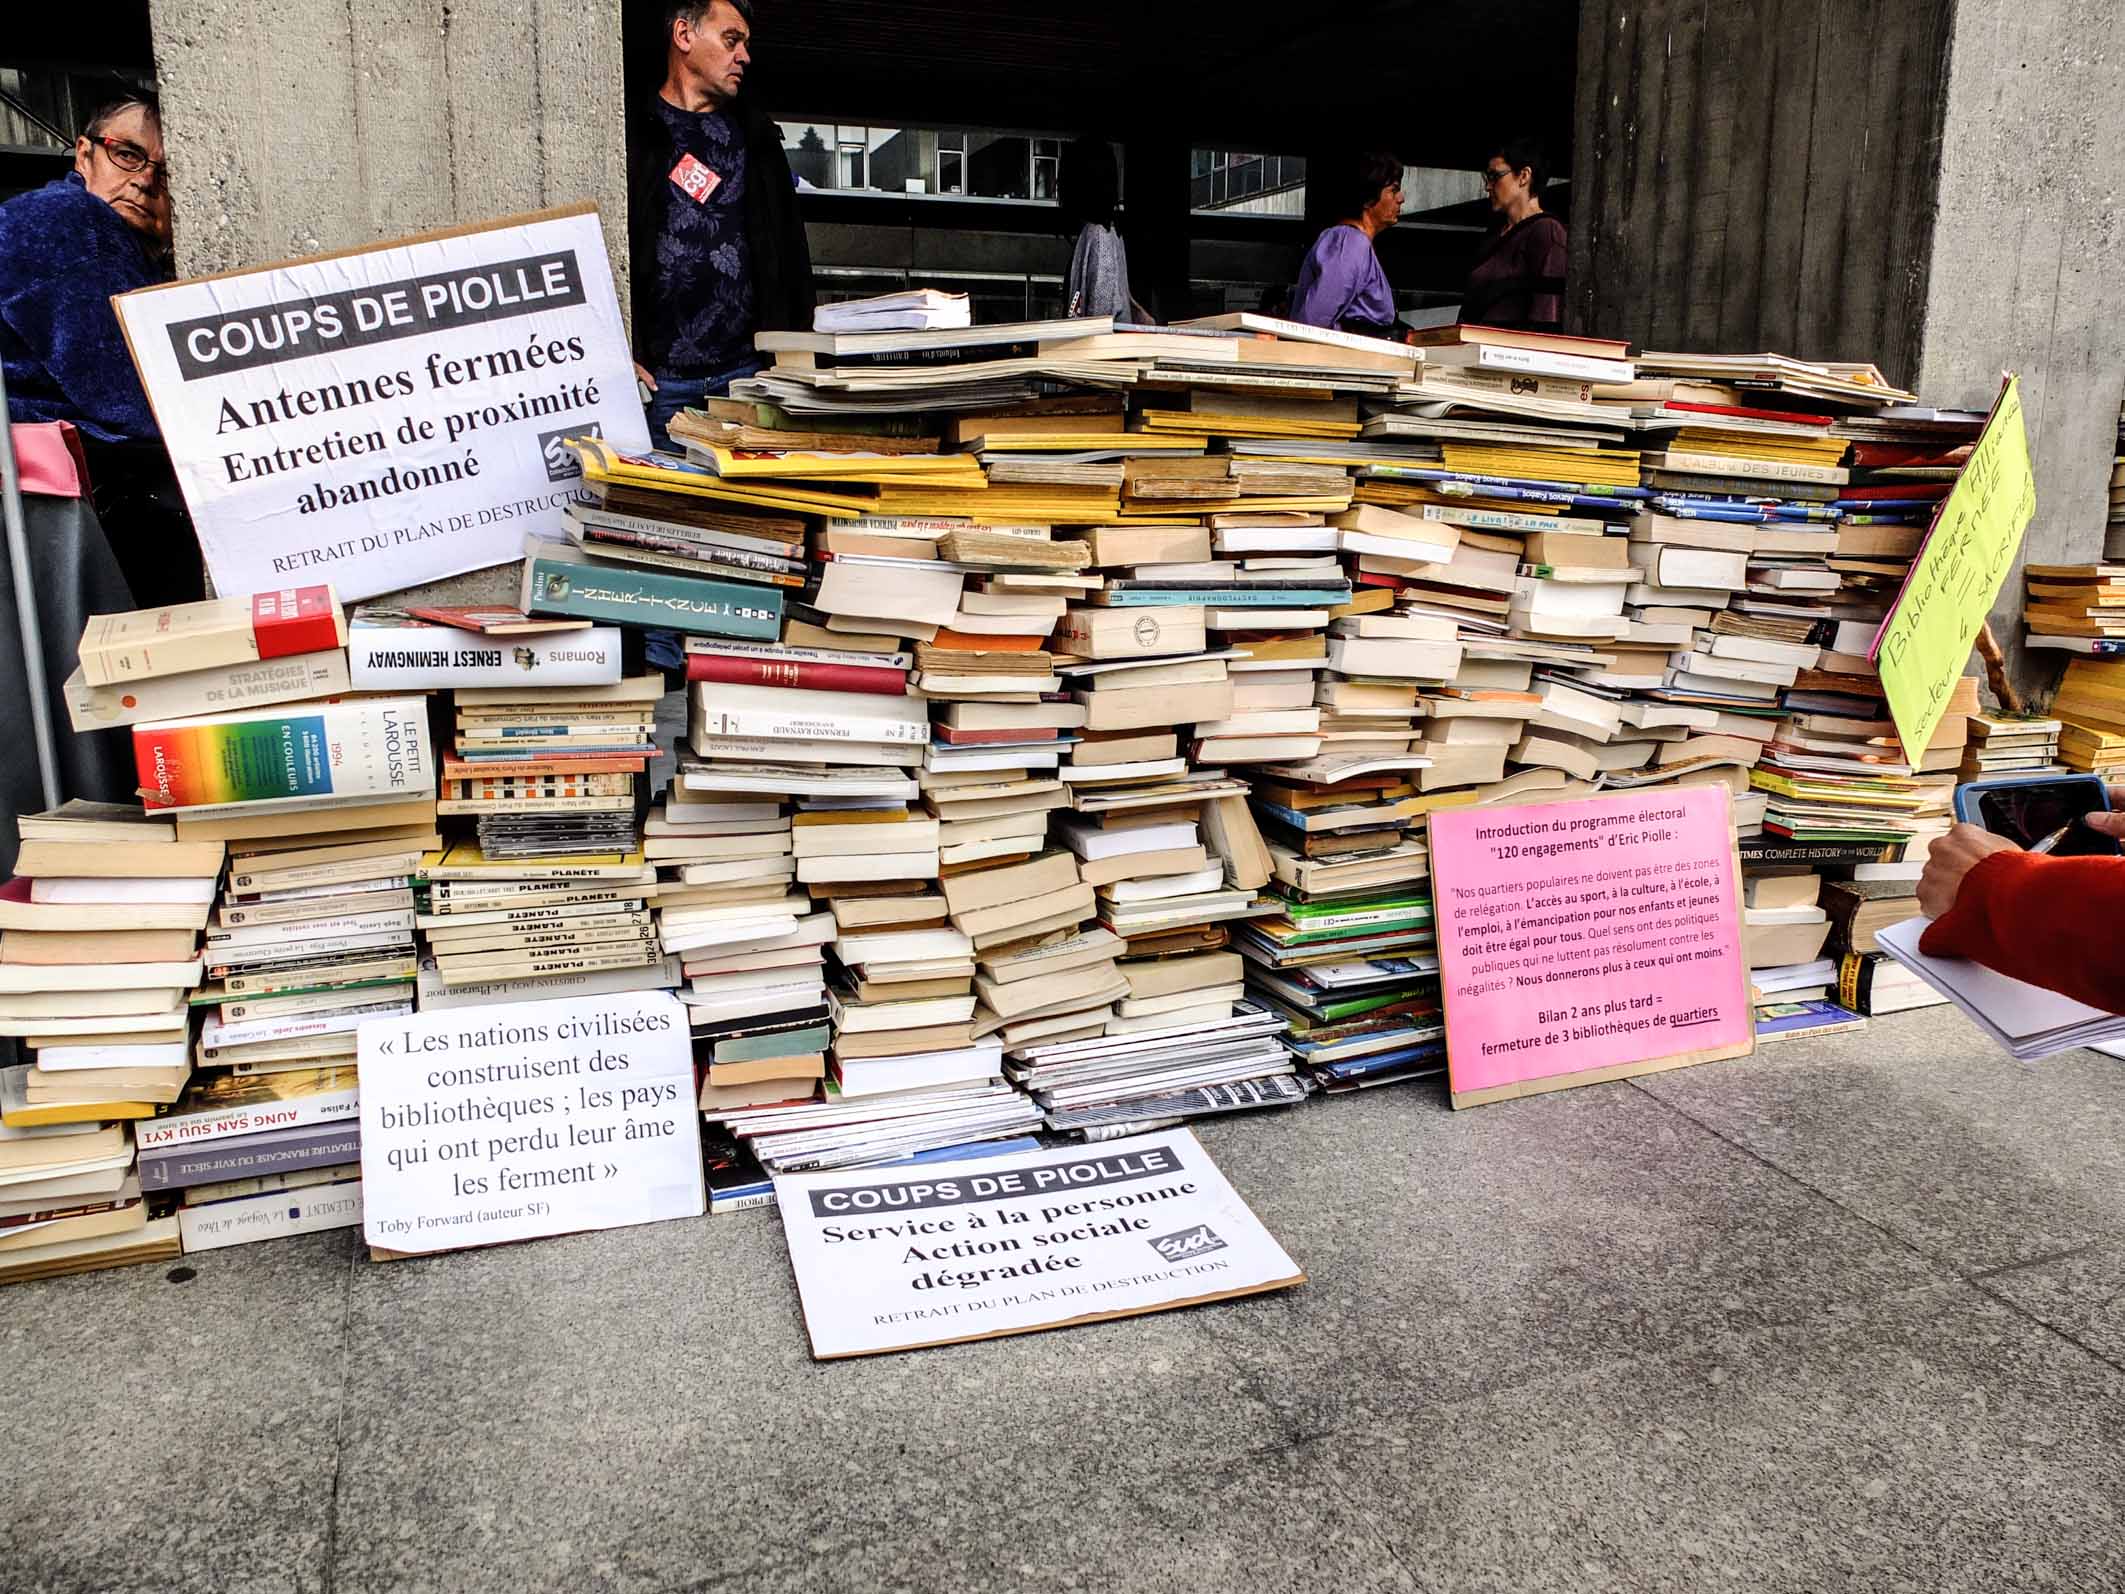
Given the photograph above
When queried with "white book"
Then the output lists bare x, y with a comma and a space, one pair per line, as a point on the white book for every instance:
1157, 887
412, 655
270, 1215
77, 889
869, 866
2026, 1020
724, 710
96, 977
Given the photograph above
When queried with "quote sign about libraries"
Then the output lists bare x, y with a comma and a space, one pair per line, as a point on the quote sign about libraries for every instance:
390, 415
896, 1258
1588, 940
506, 1122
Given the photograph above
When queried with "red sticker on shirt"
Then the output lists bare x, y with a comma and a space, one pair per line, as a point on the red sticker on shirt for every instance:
695, 179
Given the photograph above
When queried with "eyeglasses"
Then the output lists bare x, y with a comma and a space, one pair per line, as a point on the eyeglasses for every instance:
1494, 175
131, 157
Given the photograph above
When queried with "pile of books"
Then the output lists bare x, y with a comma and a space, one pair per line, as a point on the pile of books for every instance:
2075, 608
99, 949
2011, 744
2090, 708
1062, 710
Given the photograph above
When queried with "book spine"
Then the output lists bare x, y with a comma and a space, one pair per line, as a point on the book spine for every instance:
190, 1128
643, 526
266, 625
424, 658
235, 686
1542, 362
373, 922
1467, 378
270, 1216
436, 994
739, 1200
748, 562
533, 966
182, 1166
233, 917
795, 673
366, 749
1783, 470
652, 598
217, 1036
949, 354
534, 805
377, 943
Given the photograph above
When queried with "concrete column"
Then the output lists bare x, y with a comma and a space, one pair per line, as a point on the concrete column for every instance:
1928, 184
297, 127
2028, 270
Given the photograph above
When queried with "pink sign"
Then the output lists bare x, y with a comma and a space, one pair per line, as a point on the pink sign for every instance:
1594, 938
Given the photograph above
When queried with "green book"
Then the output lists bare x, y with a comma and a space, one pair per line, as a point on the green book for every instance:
559, 578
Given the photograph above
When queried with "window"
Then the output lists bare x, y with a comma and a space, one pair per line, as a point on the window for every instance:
1242, 184
1047, 156
951, 163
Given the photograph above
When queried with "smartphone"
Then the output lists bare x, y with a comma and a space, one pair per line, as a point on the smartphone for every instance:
2027, 808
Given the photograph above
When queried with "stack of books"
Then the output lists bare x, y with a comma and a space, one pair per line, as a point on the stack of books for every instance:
552, 882
99, 949
2011, 744
2090, 707
2075, 608
225, 653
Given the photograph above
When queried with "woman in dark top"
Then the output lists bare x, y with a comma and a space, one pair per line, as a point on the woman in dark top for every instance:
1518, 280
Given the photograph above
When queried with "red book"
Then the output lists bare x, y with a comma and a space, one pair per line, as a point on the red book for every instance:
952, 737
806, 673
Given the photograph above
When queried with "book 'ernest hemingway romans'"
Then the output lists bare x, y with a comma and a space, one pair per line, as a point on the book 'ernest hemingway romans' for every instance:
278, 757
392, 651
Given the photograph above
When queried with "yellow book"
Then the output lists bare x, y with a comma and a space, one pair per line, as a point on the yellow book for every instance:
605, 464
1198, 423
955, 469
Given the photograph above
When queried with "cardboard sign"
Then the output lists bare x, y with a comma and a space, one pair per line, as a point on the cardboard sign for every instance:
895, 1258
513, 1120
389, 415
1588, 940
1925, 642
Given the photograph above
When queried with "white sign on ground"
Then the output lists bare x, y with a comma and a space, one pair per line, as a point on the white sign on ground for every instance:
506, 1122
890, 1259
389, 415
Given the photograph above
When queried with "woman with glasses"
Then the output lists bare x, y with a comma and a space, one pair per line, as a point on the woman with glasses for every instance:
1341, 284
65, 249
1518, 280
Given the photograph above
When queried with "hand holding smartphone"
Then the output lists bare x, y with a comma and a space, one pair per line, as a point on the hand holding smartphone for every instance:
2040, 813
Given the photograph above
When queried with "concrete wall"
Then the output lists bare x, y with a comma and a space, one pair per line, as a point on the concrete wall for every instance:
300, 126
1929, 184
1757, 174
2029, 255
297, 127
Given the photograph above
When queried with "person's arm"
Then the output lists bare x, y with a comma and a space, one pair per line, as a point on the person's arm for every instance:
1329, 280
63, 315
2050, 921
1546, 264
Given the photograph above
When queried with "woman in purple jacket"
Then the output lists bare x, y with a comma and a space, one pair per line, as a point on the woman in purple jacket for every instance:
1341, 284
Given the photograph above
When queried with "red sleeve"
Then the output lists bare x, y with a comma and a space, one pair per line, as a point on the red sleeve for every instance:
2050, 921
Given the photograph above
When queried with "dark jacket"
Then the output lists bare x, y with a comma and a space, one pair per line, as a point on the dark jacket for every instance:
782, 260
63, 253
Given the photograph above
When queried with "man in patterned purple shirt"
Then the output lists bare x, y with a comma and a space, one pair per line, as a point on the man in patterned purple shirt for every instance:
718, 248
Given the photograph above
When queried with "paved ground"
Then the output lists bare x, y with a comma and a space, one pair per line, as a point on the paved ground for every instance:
1844, 1316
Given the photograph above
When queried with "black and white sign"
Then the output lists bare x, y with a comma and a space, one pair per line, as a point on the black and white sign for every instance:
391, 415
508, 1121
894, 1258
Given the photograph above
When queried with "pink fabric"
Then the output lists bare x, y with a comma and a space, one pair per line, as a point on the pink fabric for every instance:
49, 456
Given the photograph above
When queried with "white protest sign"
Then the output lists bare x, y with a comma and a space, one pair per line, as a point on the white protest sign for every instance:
389, 415
505, 1122
893, 1258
